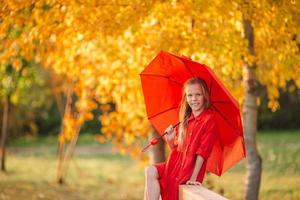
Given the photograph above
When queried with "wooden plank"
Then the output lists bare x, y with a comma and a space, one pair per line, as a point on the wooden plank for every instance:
196, 192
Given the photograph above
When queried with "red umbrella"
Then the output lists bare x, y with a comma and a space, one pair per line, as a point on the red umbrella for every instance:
162, 83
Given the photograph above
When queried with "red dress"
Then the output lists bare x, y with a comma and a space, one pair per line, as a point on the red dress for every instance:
201, 134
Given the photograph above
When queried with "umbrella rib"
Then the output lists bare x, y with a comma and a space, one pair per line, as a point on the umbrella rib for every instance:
189, 70
163, 76
163, 112
225, 118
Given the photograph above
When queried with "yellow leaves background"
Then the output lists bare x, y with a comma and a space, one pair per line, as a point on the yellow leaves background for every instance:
100, 47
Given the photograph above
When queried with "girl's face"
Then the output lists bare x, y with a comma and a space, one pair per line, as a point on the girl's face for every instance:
195, 97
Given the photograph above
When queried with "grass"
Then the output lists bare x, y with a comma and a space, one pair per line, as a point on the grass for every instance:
92, 177
280, 152
105, 175
49, 140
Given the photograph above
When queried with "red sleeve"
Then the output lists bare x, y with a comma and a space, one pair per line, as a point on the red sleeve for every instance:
208, 138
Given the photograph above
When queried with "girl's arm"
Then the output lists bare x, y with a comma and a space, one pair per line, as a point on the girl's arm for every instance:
198, 165
205, 147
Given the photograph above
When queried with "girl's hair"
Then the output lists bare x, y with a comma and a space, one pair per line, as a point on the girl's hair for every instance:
185, 110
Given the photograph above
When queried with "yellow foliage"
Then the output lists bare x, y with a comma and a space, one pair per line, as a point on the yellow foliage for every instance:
273, 105
101, 138
100, 49
17, 64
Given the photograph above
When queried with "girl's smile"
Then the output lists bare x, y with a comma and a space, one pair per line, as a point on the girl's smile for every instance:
195, 98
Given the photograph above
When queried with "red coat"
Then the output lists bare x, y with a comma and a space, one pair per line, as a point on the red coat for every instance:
201, 134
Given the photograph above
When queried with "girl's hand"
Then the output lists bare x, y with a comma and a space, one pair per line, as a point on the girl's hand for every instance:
170, 129
193, 183
170, 133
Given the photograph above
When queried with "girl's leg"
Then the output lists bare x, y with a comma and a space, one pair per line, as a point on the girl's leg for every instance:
152, 189
145, 192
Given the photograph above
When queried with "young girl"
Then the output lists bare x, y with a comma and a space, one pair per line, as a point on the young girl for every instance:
190, 144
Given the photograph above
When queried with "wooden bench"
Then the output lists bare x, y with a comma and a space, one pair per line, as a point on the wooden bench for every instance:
196, 192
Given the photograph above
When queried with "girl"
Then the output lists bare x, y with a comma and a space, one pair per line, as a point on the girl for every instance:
191, 145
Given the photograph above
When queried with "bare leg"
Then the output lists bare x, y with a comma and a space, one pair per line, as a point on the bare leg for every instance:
152, 189
145, 192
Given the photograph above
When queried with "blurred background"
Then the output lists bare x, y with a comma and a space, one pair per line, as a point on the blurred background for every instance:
72, 113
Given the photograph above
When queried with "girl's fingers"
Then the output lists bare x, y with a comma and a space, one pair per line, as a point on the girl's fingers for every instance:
169, 129
193, 183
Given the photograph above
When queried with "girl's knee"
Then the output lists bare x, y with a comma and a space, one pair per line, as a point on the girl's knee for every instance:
151, 172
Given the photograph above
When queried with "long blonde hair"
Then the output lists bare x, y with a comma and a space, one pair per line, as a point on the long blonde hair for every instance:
185, 110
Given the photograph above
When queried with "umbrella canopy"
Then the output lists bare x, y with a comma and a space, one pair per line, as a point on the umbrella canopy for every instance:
162, 83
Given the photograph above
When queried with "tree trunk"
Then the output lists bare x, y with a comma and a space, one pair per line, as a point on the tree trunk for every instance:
157, 152
69, 153
254, 161
61, 144
4, 132
66, 151
61, 155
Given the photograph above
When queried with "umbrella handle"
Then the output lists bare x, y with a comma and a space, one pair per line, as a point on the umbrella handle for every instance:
146, 147
165, 133
156, 139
